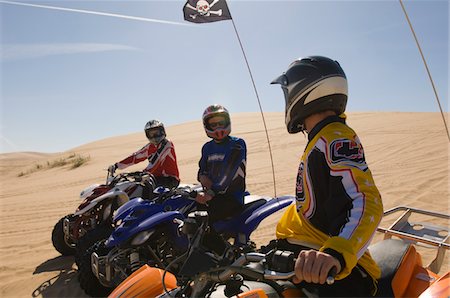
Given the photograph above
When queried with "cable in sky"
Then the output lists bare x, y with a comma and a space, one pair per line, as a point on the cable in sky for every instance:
260, 108
121, 16
426, 67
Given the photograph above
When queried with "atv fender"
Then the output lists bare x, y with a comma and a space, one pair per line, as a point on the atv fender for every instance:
145, 225
145, 282
126, 208
88, 191
441, 288
121, 196
267, 209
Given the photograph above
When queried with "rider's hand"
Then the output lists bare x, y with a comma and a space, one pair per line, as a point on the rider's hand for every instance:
112, 168
205, 181
313, 266
203, 198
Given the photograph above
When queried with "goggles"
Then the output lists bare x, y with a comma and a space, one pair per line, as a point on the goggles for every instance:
154, 134
214, 125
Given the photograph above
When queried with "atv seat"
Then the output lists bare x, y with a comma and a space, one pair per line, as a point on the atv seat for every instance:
401, 268
230, 222
251, 203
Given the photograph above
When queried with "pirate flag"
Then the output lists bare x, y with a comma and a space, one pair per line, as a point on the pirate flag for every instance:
206, 11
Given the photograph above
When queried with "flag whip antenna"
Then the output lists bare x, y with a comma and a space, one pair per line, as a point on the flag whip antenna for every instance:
259, 104
197, 12
426, 67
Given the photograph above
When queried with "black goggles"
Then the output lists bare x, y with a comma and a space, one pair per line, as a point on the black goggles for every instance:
153, 134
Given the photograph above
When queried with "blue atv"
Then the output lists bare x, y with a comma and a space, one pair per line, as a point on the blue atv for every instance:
149, 233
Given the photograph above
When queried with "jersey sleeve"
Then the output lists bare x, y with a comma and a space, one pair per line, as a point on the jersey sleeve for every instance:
136, 157
202, 164
236, 157
359, 207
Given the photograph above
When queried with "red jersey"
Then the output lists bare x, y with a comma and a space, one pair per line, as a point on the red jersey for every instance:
162, 159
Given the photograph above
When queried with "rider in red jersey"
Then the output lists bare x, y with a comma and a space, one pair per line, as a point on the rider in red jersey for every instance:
160, 153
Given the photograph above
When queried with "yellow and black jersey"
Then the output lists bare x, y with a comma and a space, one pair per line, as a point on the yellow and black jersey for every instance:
338, 205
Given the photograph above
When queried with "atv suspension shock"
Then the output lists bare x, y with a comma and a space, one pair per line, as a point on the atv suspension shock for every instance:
134, 261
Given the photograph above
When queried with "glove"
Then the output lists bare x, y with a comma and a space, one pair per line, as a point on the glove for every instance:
203, 198
112, 168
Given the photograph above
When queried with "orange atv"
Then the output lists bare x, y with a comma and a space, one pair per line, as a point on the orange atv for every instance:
253, 274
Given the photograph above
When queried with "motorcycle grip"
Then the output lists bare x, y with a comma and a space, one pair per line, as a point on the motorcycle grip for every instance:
284, 261
331, 275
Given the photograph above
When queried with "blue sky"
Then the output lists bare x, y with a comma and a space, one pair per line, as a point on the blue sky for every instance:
72, 77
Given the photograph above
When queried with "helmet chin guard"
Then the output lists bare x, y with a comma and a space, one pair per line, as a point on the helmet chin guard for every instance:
219, 133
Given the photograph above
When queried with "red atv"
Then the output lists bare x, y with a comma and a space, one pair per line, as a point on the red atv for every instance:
93, 218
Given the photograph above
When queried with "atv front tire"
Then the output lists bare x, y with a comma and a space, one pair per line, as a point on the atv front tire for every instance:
102, 232
58, 239
88, 281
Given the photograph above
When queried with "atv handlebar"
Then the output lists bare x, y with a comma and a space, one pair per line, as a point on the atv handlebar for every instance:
258, 271
161, 197
110, 175
137, 176
275, 265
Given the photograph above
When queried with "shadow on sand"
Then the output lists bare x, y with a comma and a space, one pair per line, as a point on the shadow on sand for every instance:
63, 284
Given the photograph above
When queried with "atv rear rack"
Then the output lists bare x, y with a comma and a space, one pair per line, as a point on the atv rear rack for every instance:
415, 232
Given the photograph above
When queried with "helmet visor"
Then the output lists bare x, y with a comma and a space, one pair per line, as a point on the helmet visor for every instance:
154, 135
283, 81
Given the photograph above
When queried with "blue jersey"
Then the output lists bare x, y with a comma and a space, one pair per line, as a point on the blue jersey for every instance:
224, 163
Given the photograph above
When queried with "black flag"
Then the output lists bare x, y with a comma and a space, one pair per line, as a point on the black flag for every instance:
206, 11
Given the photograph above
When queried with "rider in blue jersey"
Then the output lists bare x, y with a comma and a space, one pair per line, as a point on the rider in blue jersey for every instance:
221, 166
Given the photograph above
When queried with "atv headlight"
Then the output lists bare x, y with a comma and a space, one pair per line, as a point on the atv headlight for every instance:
142, 237
118, 223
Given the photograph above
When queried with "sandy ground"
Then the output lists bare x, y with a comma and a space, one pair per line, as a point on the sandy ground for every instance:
407, 152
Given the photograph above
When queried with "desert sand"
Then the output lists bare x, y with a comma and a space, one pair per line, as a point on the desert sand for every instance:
408, 154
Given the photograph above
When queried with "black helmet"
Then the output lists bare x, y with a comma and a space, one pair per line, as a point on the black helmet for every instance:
311, 85
155, 132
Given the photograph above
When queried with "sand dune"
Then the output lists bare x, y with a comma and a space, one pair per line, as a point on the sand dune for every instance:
408, 154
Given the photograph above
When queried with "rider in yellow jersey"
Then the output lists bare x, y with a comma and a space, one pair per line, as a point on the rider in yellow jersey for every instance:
338, 205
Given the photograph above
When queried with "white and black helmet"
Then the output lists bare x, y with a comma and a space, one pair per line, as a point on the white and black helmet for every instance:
311, 85
155, 132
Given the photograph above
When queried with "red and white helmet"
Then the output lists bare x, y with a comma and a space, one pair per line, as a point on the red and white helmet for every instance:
217, 132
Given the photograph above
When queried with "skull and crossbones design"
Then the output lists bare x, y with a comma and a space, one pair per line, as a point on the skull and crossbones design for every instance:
203, 8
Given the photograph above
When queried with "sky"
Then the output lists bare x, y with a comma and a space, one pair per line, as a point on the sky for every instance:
73, 72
